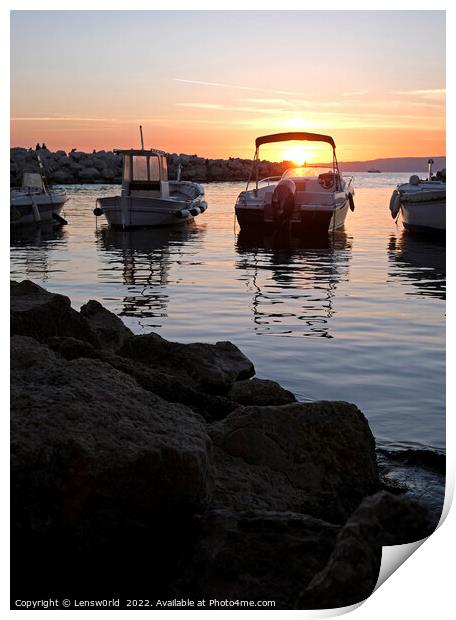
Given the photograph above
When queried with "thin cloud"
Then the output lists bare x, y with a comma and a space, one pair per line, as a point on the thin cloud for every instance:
424, 92
211, 106
68, 118
355, 93
236, 86
270, 101
204, 106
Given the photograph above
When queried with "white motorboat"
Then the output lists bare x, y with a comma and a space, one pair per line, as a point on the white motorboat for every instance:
148, 198
35, 202
304, 200
422, 203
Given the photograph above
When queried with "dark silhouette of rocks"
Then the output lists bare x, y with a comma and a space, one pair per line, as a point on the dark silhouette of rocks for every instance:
37, 313
258, 555
212, 368
147, 469
77, 167
275, 458
352, 570
260, 392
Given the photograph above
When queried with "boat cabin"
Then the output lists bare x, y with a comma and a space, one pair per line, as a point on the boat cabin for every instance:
32, 181
145, 173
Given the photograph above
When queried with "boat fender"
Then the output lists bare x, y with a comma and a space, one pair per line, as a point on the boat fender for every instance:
182, 214
351, 202
97, 211
395, 203
203, 207
195, 211
58, 218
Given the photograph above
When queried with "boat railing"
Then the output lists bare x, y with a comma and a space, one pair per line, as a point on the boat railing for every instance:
269, 180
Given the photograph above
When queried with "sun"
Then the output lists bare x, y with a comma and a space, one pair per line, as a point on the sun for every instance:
296, 154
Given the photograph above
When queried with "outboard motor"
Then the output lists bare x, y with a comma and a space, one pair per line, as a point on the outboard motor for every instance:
283, 201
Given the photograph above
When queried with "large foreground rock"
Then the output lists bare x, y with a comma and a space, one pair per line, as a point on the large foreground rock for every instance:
37, 313
209, 367
110, 330
316, 458
260, 392
353, 567
256, 556
89, 445
144, 468
170, 387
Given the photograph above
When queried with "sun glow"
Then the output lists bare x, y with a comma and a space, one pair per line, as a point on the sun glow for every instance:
297, 154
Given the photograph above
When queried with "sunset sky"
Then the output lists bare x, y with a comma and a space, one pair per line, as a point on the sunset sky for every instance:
209, 82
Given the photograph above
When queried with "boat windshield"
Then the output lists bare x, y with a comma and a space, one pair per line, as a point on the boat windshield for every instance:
304, 171
144, 168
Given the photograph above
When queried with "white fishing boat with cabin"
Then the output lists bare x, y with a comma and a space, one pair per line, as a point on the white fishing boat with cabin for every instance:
148, 198
305, 200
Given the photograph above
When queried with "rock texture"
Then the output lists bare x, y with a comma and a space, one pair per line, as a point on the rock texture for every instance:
256, 556
317, 458
37, 313
110, 330
87, 436
260, 392
150, 469
352, 570
210, 367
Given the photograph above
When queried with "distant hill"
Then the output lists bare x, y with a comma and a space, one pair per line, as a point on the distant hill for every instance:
394, 164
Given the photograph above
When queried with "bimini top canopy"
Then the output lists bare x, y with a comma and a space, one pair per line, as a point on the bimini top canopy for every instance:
294, 135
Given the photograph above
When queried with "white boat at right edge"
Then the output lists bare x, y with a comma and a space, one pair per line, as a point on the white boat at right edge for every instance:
422, 203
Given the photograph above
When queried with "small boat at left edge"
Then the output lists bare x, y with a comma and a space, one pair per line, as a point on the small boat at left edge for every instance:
35, 202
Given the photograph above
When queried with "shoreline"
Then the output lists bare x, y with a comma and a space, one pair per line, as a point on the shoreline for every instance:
179, 459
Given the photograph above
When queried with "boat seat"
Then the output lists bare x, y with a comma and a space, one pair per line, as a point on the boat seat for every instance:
315, 198
267, 196
144, 186
146, 194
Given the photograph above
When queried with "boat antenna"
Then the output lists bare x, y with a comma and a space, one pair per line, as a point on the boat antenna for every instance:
142, 138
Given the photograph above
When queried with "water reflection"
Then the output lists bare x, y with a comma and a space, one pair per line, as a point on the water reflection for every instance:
145, 258
35, 250
419, 262
293, 281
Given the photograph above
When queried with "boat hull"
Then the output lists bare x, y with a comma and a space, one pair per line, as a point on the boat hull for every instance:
130, 213
23, 211
306, 220
425, 217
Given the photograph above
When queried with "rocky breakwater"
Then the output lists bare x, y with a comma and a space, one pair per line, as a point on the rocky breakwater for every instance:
77, 167
148, 469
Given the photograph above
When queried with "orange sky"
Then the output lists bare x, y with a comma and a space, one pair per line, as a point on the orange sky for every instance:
212, 95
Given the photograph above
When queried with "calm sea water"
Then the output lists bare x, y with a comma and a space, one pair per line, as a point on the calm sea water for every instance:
358, 318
